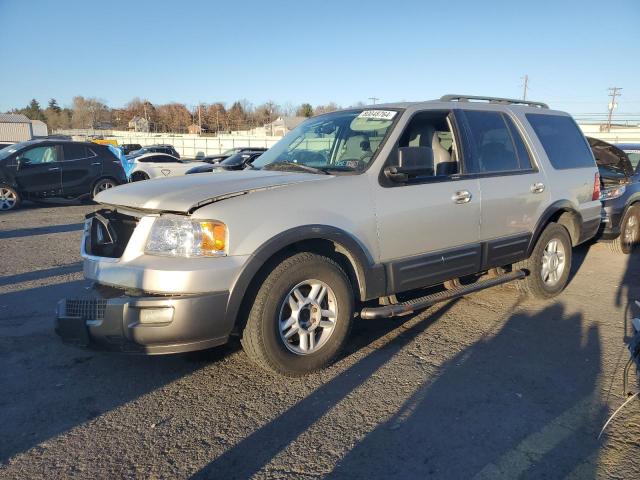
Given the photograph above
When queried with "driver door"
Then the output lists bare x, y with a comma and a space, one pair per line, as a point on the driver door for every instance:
39, 171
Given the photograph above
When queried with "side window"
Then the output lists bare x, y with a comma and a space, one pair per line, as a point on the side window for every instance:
562, 141
74, 151
430, 143
39, 155
495, 143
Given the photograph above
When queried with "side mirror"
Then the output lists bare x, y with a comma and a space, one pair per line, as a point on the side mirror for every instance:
412, 162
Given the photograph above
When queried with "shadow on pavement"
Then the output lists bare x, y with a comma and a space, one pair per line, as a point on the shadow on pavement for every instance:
40, 274
254, 452
509, 404
28, 232
506, 407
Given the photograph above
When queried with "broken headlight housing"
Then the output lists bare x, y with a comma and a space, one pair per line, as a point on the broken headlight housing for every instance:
613, 192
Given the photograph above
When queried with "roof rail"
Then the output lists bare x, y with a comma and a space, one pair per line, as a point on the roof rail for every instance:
508, 101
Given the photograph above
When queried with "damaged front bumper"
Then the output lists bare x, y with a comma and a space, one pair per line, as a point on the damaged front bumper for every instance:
153, 324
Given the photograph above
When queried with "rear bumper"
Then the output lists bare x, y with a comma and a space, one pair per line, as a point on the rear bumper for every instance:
148, 325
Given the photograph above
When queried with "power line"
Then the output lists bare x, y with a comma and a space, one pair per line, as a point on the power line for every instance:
374, 100
614, 93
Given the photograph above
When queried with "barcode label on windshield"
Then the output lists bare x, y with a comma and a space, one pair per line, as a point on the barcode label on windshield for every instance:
380, 114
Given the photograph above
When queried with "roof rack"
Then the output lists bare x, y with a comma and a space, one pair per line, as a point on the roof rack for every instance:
507, 101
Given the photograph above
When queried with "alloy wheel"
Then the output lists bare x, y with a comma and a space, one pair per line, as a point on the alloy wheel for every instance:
8, 199
308, 317
553, 262
631, 233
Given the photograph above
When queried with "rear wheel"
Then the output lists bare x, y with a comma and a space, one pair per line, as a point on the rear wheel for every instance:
9, 198
629, 232
139, 176
549, 265
102, 185
301, 316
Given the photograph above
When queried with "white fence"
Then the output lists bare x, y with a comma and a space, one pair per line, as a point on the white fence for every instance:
188, 146
616, 135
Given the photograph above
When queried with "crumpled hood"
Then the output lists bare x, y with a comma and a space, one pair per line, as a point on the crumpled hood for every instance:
185, 193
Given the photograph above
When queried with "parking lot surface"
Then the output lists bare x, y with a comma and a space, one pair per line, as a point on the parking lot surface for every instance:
489, 386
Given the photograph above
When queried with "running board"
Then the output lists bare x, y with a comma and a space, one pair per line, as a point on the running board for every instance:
428, 300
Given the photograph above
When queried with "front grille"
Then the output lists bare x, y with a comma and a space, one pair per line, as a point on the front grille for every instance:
108, 233
87, 309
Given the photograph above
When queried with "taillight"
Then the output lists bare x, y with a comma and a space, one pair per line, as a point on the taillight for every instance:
596, 187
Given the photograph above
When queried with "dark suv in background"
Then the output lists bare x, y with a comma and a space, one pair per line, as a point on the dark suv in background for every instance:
56, 169
620, 196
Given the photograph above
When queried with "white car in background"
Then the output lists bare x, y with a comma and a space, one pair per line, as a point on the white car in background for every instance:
158, 165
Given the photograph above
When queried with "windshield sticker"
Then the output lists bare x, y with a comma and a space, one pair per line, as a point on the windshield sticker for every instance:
379, 114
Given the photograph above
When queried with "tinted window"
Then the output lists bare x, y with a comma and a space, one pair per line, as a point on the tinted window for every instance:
562, 141
74, 151
493, 144
40, 155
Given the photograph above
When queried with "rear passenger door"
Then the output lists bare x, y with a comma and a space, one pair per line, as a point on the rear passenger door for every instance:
81, 167
514, 190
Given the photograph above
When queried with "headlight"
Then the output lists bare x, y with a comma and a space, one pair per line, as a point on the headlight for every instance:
182, 237
611, 193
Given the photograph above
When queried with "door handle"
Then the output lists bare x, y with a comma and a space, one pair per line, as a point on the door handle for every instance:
96, 163
462, 196
53, 169
537, 187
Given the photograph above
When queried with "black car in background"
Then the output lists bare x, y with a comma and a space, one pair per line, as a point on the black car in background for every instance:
56, 169
127, 148
235, 162
620, 196
160, 148
233, 151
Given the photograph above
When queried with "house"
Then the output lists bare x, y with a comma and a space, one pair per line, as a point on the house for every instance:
283, 125
195, 129
39, 128
139, 124
15, 127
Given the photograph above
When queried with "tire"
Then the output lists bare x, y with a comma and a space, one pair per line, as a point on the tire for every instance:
272, 317
139, 176
102, 185
543, 254
9, 198
629, 237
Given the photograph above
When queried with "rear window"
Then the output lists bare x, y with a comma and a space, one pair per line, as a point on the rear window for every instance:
74, 151
562, 141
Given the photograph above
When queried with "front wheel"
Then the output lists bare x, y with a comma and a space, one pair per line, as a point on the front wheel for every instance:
301, 316
549, 265
9, 198
629, 232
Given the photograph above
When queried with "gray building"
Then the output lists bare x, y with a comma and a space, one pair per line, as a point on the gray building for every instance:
15, 127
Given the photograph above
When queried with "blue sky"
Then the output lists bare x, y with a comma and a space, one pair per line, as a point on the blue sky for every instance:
300, 51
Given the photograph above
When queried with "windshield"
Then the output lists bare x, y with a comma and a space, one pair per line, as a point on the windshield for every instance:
346, 140
11, 149
231, 151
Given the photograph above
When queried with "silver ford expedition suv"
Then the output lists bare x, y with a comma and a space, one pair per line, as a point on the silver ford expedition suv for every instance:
350, 208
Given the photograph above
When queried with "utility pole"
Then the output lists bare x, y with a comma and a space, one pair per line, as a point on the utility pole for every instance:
615, 92
526, 87
199, 121
374, 100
